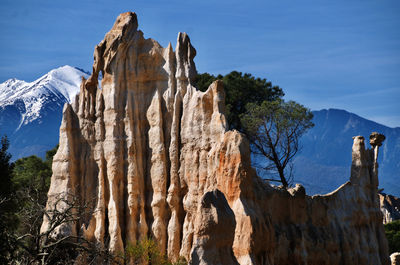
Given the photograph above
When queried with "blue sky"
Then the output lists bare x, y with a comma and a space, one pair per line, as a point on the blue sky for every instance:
324, 54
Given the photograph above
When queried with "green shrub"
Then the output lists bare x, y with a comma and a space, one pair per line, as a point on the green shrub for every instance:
392, 231
147, 251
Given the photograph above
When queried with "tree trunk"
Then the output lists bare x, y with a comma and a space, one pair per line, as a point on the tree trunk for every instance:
282, 176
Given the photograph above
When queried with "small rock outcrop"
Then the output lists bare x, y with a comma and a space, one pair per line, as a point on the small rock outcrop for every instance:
395, 258
155, 157
390, 207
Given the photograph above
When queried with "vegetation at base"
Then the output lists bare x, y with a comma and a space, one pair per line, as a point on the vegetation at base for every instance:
392, 231
23, 194
8, 202
31, 181
146, 251
32, 175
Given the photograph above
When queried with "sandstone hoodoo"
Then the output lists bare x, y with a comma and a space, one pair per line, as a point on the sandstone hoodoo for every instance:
155, 157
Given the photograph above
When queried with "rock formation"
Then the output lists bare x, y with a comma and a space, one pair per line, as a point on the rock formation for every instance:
395, 258
390, 207
156, 158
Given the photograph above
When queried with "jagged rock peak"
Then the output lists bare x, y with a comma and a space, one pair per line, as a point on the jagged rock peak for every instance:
152, 156
123, 34
124, 29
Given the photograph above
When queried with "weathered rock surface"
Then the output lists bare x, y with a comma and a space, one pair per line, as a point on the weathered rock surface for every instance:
390, 207
155, 157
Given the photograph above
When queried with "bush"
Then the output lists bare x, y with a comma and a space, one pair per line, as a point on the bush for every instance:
392, 231
147, 251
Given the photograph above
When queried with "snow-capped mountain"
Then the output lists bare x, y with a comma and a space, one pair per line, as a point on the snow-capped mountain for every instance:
60, 84
30, 112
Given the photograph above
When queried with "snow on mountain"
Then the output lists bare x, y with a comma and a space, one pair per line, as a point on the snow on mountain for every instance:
61, 83
27, 109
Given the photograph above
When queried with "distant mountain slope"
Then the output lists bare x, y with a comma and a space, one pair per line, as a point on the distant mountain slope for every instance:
30, 113
324, 162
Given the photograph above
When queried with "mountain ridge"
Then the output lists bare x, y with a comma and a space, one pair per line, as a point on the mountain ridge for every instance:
356, 115
27, 109
325, 151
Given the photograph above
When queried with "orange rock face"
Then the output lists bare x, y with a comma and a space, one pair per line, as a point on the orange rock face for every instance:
155, 157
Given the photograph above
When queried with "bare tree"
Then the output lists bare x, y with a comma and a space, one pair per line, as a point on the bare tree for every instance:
51, 246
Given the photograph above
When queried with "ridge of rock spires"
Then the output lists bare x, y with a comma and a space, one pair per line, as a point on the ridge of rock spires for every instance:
154, 158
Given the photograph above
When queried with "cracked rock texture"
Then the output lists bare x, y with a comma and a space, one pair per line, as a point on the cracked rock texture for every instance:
155, 158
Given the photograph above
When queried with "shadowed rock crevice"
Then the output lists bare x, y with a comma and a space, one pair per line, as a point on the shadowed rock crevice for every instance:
215, 234
158, 158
